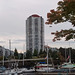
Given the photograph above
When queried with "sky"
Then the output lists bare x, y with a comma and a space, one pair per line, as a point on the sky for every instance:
13, 15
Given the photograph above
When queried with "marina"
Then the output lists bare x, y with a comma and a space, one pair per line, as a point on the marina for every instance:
37, 37
40, 68
32, 72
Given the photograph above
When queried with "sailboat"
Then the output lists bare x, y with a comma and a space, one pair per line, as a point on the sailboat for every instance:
2, 68
68, 65
11, 71
45, 67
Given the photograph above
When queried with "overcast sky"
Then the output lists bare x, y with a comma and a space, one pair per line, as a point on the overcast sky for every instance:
13, 15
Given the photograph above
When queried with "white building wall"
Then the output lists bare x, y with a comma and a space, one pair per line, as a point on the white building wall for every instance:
27, 34
39, 29
43, 34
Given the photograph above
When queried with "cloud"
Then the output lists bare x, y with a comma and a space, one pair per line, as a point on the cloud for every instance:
2, 41
18, 41
13, 15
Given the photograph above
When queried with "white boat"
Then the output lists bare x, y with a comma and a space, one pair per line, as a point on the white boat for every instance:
13, 71
26, 70
68, 66
44, 67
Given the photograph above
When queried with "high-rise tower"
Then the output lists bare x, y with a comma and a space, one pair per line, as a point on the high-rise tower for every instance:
35, 33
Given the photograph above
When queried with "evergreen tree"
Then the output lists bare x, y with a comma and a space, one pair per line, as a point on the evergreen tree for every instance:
16, 54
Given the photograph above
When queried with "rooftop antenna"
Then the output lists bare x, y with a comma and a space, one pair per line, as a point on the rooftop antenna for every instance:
69, 53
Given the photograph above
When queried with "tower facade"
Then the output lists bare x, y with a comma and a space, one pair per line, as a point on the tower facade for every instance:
35, 33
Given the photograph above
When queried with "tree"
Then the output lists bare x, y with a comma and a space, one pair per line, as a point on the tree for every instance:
16, 54
54, 55
62, 53
35, 52
20, 55
65, 12
73, 55
40, 51
28, 54
61, 58
1, 58
42, 54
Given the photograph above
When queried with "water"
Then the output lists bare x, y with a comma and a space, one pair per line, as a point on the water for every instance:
30, 74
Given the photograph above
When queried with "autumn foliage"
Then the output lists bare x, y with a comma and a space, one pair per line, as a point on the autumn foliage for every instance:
65, 12
68, 34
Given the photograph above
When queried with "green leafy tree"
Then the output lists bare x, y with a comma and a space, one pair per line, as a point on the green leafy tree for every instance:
40, 51
16, 53
35, 52
61, 58
28, 54
42, 54
65, 13
62, 53
54, 55
73, 55
20, 55
1, 58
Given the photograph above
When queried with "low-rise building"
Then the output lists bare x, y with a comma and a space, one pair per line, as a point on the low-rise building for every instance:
50, 48
5, 52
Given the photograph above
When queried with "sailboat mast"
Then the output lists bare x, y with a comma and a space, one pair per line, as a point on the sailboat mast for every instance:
23, 53
65, 54
69, 53
10, 51
47, 59
3, 55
